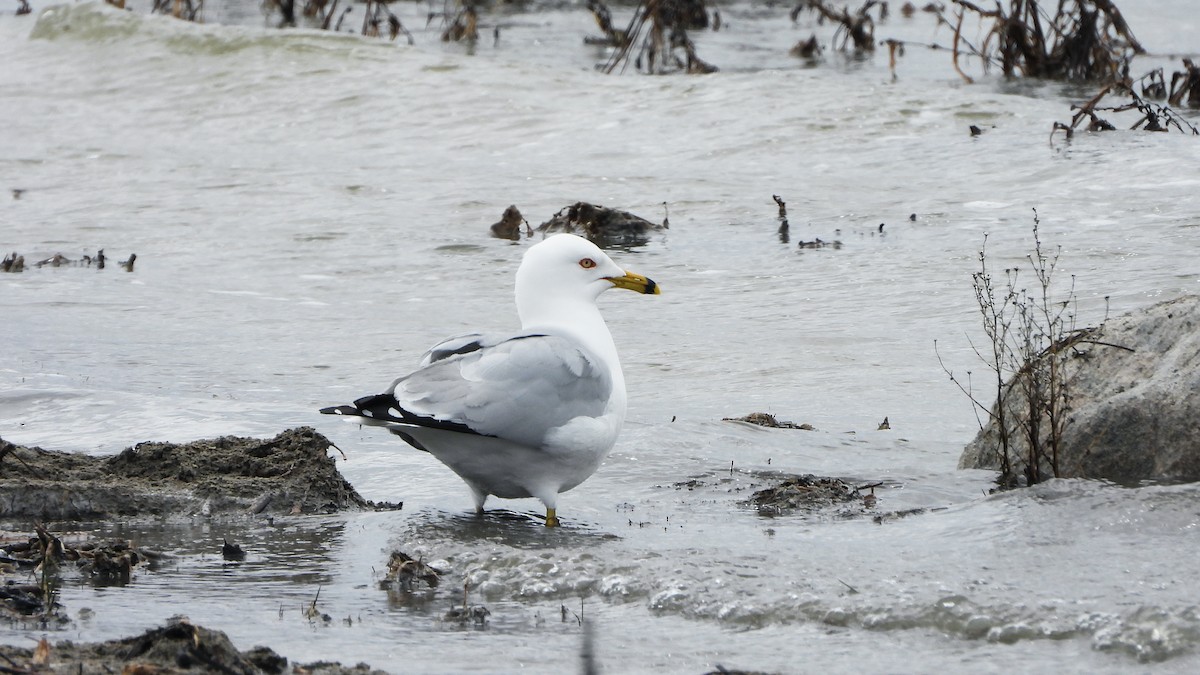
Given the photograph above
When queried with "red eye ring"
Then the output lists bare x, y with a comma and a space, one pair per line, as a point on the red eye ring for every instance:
587, 263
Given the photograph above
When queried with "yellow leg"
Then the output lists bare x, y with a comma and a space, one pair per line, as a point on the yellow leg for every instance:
551, 518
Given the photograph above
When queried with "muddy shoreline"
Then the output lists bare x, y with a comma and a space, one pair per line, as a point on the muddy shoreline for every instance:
292, 473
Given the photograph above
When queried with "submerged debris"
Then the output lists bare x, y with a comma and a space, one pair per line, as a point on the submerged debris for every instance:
767, 420
600, 224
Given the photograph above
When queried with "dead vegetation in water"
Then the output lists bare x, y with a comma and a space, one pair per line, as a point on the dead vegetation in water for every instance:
467, 613
405, 572
1077, 40
462, 22
855, 30
186, 10
656, 41
42, 559
378, 18
1147, 114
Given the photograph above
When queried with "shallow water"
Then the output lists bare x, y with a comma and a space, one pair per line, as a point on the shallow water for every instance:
310, 213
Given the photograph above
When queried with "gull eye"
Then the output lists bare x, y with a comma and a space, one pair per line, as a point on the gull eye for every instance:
587, 263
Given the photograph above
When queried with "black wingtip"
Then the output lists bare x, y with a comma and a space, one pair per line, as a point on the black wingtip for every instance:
340, 410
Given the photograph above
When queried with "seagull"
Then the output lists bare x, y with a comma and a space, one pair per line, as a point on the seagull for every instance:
525, 414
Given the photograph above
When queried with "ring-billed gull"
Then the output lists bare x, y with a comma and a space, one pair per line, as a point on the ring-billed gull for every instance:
525, 414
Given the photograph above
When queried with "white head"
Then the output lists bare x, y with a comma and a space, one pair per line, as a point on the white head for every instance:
564, 271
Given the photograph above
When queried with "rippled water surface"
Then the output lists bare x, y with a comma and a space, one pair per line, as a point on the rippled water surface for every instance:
310, 212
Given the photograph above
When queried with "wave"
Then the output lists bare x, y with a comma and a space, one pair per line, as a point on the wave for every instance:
99, 23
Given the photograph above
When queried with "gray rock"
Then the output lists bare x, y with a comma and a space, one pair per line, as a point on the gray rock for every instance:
1134, 415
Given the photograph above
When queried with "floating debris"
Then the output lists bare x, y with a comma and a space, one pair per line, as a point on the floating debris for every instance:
55, 260
232, 552
45, 555
783, 220
13, 262
809, 49
767, 420
407, 571
510, 223
884, 425
820, 243
803, 492
602, 225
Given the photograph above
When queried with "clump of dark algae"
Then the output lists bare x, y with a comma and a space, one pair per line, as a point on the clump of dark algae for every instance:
602, 225
178, 646
290, 474
804, 493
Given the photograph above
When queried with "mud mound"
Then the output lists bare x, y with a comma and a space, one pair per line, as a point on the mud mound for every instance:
288, 474
180, 645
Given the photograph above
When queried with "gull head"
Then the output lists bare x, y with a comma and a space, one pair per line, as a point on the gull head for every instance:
566, 269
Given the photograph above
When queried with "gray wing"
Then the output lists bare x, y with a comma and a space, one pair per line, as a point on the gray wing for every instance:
459, 344
516, 388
